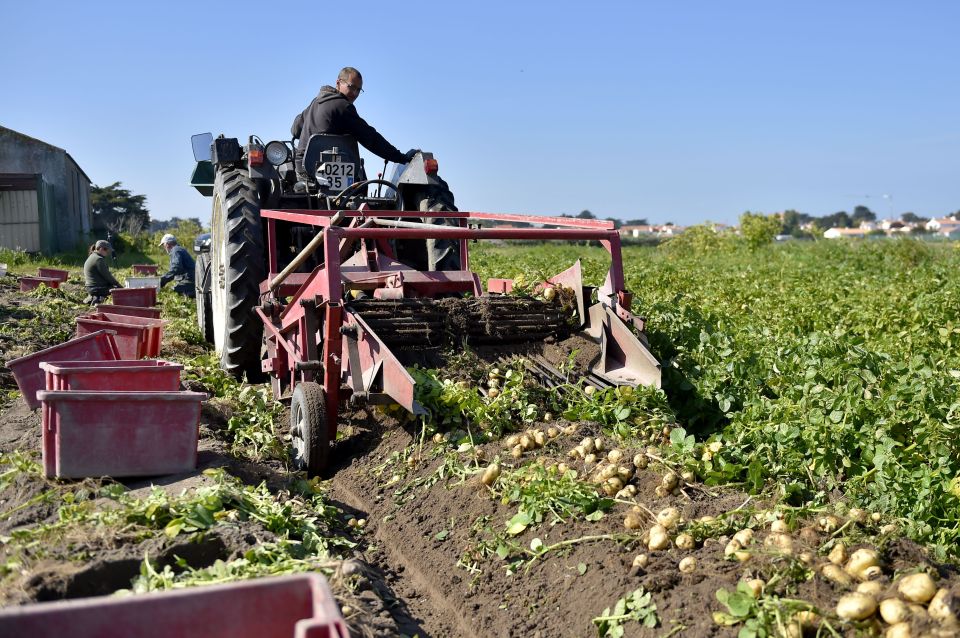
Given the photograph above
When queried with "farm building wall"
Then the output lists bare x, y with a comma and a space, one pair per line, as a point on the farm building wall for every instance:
55, 207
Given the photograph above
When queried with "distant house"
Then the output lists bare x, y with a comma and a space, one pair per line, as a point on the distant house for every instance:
44, 196
945, 226
636, 231
848, 233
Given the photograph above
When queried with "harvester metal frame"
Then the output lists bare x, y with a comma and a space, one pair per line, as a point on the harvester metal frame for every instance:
326, 355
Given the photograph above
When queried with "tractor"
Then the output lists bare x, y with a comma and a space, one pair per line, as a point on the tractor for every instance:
331, 283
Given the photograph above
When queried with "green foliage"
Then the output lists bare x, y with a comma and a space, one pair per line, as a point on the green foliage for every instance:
252, 429
46, 323
700, 239
636, 606
538, 492
301, 519
181, 312
766, 615
630, 413
13, 464
450, 403
814, 368
759, 230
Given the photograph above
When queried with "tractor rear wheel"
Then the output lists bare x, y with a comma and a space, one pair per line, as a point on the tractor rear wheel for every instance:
237, 268
204, 297
442, 254
308, 428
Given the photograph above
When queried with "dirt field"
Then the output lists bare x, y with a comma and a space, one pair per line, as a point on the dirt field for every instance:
437, 556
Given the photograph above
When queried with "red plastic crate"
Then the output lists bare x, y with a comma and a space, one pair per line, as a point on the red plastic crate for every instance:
29, 283
98, 345
136, 337
296, 606
145, 297
136, 311
126, 376
87, 434
56, 273
145, 269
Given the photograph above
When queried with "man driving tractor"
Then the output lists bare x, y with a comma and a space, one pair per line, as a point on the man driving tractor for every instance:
332, 111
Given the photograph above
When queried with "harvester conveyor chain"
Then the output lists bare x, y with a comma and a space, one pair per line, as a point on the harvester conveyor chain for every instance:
481, 320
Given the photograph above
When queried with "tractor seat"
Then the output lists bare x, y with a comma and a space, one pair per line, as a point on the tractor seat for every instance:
319, 143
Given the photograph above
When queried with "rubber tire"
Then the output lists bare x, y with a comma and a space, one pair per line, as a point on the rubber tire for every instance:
439, 198
308, 411
204, 297
238, 266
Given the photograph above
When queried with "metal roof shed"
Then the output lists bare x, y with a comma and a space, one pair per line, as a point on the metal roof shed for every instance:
26, 214
44, 196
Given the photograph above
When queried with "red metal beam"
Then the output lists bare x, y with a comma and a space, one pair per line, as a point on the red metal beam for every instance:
322, 217
473, 233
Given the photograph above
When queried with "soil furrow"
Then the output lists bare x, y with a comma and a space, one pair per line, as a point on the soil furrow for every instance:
425, 600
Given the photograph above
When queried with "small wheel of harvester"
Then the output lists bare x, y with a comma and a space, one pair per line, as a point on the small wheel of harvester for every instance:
204, 297
308, 428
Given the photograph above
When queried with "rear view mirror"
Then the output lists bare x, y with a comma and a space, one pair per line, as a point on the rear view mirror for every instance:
201, 146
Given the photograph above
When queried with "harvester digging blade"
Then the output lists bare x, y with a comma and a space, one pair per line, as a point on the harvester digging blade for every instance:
623, 359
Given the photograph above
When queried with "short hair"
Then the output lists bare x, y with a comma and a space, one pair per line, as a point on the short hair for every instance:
347, 72
101, 243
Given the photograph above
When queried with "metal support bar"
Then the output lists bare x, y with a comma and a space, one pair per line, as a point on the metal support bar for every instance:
305, 254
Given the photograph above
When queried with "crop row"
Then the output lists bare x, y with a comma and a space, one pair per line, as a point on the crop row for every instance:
826, 372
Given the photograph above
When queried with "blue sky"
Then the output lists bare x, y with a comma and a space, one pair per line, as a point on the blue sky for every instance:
670, 111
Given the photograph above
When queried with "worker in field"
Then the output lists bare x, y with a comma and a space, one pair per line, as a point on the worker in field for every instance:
96, 273
333, 112
181, 270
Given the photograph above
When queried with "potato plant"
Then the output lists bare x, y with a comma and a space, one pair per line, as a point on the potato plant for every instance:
806, 368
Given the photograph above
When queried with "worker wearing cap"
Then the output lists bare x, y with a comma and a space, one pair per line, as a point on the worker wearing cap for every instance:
332, 111
96, 273
181, 270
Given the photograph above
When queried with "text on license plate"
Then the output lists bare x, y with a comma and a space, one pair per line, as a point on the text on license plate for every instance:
340, 174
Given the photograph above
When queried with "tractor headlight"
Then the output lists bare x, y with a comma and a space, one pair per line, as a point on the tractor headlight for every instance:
277, 153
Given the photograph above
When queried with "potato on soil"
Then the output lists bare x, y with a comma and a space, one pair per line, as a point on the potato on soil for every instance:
612, 485
836, 575
685, 541
756, 586
917, 588
838, 555
943, 607
872, 587
894, 610
782, 543
491, 474
779, 526
668, 517
670, 480
860, 561
828, 523
744, 536
688, 565
856, 606
732, 548
659, 539
900, 630
632, 521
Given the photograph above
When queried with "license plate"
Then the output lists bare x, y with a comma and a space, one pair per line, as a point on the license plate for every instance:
340, 174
